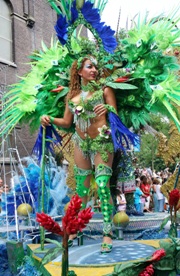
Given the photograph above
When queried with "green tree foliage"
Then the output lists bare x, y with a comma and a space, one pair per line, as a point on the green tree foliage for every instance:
147, 157
160, 124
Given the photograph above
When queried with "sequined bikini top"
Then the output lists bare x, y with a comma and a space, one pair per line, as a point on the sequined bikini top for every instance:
83, 111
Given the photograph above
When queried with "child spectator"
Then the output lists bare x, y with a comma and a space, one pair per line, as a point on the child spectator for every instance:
120, 200
137, 196
6, 189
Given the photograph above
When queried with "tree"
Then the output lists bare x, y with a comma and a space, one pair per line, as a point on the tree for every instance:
147, 157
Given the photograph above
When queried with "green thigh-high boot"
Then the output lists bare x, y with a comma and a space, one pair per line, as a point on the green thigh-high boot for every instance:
102, 176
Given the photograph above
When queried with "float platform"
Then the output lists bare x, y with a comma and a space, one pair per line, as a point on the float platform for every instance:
86, 260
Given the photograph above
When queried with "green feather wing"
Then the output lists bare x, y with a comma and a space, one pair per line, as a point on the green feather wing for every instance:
20, 103
165, 98
162, 30
141, 58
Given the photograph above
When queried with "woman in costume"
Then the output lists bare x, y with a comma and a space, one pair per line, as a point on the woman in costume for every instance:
142, 79
87, 108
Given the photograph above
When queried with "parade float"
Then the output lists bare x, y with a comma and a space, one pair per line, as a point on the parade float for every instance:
145, 81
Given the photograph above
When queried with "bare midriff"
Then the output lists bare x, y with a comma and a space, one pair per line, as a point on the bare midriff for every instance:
92, 131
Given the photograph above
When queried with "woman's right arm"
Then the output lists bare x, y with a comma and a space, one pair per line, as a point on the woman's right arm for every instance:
65, 122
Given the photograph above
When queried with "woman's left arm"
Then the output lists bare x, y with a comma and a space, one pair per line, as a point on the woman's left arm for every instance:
109, 99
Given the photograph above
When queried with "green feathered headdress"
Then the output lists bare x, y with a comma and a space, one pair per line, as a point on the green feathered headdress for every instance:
143, 77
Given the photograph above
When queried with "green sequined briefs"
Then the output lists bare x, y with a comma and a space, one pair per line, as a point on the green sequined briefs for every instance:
90, 147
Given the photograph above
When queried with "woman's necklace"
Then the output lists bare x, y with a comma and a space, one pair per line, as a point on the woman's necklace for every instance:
84, 94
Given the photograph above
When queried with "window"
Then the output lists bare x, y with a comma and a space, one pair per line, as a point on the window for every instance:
5, 32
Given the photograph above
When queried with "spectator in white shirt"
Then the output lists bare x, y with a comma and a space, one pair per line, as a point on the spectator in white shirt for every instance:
160, 196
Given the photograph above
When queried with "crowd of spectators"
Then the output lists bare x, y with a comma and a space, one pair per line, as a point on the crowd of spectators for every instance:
148, 196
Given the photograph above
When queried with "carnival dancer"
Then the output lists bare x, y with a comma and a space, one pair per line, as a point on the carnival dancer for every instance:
87, 108
138, 71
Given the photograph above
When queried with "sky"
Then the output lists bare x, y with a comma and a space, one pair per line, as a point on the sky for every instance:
129, 8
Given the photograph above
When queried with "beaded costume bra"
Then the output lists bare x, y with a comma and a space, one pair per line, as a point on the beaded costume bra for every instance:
83, 111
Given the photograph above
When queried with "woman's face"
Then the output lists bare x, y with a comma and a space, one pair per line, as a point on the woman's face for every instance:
88, 72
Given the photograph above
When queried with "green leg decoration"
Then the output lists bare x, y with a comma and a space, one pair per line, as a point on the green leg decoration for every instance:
102, 176
80, 176
82, 191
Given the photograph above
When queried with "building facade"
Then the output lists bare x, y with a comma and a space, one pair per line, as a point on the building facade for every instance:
24, 24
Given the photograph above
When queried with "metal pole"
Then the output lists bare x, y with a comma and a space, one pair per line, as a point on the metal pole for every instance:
42, 231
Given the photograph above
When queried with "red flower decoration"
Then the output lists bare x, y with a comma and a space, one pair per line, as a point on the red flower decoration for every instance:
58, 89
174, 197
158, 255
74, 220
75, 204
122, 79
148, 271
49, 224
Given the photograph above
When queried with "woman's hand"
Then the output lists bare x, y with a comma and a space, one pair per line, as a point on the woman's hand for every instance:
45, 121
100, 109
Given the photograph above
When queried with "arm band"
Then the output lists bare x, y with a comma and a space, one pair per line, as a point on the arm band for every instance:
51, 120
110, 108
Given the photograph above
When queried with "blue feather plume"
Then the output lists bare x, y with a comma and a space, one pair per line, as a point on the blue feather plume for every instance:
74, 13
92, 16
50, 141
109, 42
61, 29
122, 137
